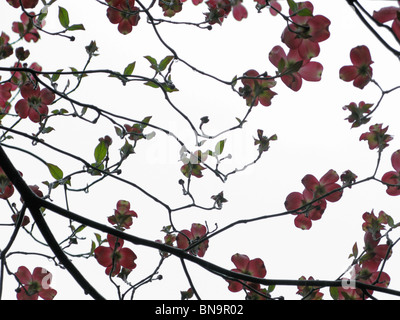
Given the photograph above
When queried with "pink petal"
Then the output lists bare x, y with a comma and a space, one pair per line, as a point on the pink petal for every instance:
235, 286
330, 177
47, 96
48, 294
103, 255
183, 241
28, 90
239, 12
385, 14
22, 294
310, 182
312, 71
24, 275
362, 81
308, 49
198, 230
293, 81
302, 222
124, 27
256, 268
396, 160
114, 16
396, 28
294, 201
334, 196
348, 73
319, 28
276, 54
290, 38
240, 261
128, 258
22, 108
360, 55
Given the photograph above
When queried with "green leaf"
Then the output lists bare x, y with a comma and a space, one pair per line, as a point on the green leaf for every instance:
355, 250
56, 76
63, 17
129, 69
93, 247
80, 228
305, 12
153, 62
100, 152
152, 84
165, 62
219, 147
55, 171
75, 27
334, 293
292, 5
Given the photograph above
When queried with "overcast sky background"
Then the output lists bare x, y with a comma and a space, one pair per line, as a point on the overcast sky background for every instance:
313, 137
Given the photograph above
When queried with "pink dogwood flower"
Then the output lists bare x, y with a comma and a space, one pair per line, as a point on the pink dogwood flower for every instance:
360, 72
115, 256
196, 233
34, 103
243, 264
293, 68
27, 4
306, 32
126, 15
34, 285
393, 177
388, 14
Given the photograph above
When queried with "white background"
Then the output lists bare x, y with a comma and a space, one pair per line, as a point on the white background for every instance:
313, 137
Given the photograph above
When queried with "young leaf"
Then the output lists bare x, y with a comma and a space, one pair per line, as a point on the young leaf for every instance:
153, 62
305, 12
219, 147
100, 152
334, 293
129, 69
293, 5
165, 62
63, 17
55, 171
75, 27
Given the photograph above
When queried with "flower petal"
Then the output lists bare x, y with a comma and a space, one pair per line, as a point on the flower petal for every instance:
240, 261
24, 275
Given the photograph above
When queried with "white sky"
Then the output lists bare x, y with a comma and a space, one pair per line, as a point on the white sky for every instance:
313, 137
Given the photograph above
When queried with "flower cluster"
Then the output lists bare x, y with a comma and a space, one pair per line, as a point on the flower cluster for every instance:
359, 113
122, 216
27, 27
306, 31
257, 88
6, 49
302, 36
311, 204
377, 137
114, 257
366, 270
124, 13
34, 285
309, 292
